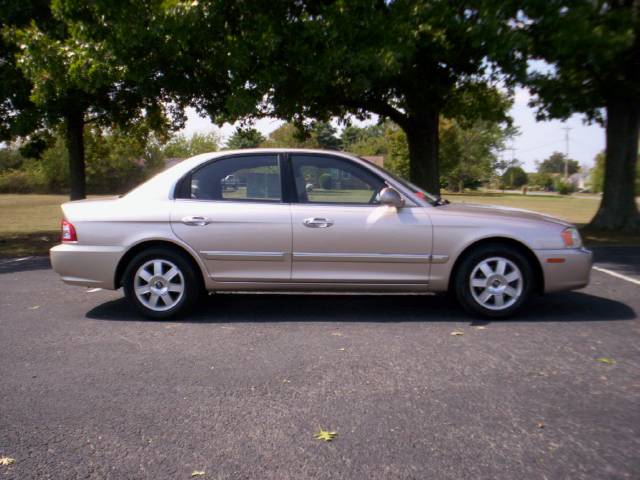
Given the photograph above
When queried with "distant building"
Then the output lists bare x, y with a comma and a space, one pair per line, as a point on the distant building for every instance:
170, 162
579, 181
375, 159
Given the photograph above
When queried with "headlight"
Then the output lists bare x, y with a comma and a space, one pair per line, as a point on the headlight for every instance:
571, 238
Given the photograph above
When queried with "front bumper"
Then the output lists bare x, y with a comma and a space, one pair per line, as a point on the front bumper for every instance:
565, 269
86, 265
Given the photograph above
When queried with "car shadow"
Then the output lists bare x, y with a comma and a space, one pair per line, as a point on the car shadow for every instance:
239, 308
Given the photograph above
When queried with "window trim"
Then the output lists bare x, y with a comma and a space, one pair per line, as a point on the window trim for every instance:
291, 179
181, 187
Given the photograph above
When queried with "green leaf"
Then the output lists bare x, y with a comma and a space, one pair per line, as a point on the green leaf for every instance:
606, 360
325, 436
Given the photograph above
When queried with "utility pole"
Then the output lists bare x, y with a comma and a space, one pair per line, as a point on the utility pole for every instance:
566, 152
513, 161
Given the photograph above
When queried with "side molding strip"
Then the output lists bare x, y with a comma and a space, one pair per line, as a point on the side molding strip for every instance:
369, 257
244, 256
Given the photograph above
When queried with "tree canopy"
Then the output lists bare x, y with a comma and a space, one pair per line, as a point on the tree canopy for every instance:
245, 138
593, 53
406, 61
555, 163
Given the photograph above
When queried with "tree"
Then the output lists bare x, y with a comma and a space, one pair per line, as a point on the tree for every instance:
245, 138
77, 80
369, 140
289, 135
469, 155
556, 162
181, 146
325, 135
596, 174
594, 49
514, 177
18, 114
408, 62
397, 159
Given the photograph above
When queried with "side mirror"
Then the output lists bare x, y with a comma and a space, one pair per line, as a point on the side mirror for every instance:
390, 196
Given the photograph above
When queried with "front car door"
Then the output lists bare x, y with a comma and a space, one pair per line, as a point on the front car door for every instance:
230, 211
341, 234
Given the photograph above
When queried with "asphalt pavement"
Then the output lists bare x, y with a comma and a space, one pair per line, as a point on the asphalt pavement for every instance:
237, 390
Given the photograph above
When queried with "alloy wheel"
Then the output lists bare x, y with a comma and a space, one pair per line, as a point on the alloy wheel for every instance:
496, 283
159, 285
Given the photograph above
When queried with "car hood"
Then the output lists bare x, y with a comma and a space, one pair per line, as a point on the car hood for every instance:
505, 213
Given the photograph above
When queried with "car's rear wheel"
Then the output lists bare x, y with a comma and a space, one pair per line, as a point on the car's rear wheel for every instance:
161, 283
494, 281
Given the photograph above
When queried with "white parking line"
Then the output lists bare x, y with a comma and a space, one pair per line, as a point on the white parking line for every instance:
617, 275
13, 260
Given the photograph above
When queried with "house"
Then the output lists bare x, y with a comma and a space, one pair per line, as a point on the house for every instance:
579, 181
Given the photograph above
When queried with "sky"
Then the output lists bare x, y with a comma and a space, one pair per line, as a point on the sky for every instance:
537, 140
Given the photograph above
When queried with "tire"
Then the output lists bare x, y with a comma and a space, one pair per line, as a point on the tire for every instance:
161, 283
502, 279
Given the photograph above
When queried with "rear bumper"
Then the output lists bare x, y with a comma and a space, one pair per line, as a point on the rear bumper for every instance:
566, 269
86, 265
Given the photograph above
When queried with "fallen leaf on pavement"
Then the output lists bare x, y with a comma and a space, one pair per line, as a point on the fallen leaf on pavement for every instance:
4, 461
325, 435
197, 473
608, 361
457, 333
35, 307
540, 425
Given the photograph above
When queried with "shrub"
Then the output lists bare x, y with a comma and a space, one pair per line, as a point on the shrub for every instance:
326, 181
29, 180
563, 188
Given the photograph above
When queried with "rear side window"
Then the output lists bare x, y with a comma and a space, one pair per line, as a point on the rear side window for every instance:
250, 178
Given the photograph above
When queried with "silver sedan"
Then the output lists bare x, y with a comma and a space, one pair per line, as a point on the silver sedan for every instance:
309, 221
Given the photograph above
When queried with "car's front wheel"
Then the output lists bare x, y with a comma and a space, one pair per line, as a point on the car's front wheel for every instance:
160, 283
494, 281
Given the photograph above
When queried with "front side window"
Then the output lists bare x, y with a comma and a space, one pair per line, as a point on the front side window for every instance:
320, 179
250, 178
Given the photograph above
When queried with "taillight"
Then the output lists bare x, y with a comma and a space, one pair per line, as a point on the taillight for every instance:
67, 232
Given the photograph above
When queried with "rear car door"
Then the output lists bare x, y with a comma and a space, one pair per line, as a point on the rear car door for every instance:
230, 211
341, 234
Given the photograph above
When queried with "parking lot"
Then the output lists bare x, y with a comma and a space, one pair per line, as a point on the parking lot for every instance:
238, 389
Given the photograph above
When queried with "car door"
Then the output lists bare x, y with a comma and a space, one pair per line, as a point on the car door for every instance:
231, 212
342, 235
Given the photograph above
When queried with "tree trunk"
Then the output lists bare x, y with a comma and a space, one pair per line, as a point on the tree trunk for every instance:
618, 209
422, 137
74, 123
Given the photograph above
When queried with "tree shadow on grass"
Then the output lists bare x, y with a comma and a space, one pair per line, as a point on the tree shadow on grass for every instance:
239, 308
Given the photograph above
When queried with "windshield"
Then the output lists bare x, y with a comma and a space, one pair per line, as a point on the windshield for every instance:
416, 190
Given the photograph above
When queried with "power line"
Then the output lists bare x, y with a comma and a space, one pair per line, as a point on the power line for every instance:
540, 146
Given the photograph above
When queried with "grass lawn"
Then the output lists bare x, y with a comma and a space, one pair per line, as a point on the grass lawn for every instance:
29, 224
574, 209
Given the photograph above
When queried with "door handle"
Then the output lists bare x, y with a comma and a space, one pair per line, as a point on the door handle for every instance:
317, 222
196, 221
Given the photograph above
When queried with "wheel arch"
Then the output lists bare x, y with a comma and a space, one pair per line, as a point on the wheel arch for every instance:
518, 245
140, 247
